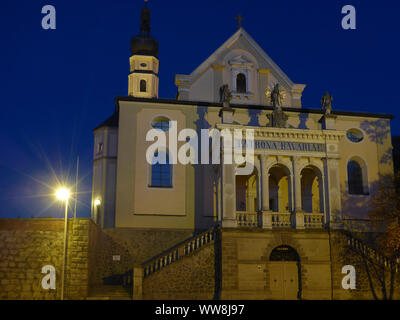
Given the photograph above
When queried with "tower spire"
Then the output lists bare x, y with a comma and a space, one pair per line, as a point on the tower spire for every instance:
145, 19
143, 77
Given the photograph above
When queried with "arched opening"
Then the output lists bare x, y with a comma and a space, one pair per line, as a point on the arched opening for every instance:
284, 253
161, 123
241, 86
284, 273
246, 192
311, 190
357, 177
143, 85
279, 189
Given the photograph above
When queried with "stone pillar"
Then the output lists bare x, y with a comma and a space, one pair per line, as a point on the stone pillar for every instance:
264, 183
266, 211
138, 283
298, 212
332, 181
323, 197
228, 196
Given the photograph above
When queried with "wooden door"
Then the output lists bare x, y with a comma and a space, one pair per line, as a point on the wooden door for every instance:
284, 282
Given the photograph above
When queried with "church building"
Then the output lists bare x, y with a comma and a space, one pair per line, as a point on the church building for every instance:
203, 231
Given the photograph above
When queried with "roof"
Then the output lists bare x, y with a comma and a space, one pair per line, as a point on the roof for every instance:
110, 122
252, 107
240, 33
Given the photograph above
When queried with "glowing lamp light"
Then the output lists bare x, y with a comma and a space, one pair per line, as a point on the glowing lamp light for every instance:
62, 194
97, 202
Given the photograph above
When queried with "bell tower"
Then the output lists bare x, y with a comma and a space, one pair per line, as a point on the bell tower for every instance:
144, 64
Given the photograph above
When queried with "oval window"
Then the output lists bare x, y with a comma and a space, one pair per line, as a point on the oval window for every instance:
161, 123
143, 65
355, 135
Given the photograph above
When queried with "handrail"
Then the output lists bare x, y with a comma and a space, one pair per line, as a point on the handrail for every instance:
370, 252
179, 251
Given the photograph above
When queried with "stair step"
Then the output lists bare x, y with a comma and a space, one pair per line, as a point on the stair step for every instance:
108, 293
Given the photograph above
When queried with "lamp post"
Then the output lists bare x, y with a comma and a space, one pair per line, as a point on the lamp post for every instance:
97, 204
63, 194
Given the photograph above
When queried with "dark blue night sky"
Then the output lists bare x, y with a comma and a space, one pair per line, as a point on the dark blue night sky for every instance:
57, 85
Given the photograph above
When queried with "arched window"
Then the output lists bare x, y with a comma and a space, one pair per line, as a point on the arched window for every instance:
161, 123
355, 178
143, 86
161, 173
241, 83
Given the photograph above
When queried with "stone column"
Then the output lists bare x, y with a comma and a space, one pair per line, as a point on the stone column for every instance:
228, 196
265, 183
298, 212
332, 181
266, 212
323, 197
138, 275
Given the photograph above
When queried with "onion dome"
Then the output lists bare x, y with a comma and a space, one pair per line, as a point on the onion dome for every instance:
144, 43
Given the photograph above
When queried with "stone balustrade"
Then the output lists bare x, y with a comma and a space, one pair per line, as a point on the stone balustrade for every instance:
279, 220
313, 220
247, 219
373, 254
181, 250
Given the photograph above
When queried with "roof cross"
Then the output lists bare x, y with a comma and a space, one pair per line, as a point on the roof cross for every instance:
239, 19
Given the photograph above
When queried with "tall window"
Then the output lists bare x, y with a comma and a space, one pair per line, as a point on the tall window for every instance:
355, 178
241, 83
143, 86
161, 173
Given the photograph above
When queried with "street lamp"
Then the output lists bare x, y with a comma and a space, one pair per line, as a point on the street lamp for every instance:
97, 204
63, 194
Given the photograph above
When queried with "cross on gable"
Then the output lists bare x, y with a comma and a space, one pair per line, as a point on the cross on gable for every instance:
239, 19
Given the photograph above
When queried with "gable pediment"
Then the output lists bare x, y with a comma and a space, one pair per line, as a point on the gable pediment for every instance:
239, 54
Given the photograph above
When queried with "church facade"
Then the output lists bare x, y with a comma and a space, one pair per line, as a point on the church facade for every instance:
275, 230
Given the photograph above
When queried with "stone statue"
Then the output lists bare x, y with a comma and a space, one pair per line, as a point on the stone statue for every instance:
276, 97
225, 94
326, 102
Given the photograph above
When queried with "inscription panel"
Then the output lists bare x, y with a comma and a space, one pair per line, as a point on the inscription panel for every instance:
283, 145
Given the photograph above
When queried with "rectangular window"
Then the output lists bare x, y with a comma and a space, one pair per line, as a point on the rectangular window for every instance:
99, 148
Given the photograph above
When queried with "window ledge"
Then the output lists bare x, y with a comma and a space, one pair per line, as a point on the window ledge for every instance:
162, 187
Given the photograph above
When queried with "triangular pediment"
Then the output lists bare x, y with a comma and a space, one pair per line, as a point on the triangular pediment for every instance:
240, 54
241, 40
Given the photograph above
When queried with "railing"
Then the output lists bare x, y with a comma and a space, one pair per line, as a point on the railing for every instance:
313, 220
371, 253
247, 219
179, 251
281, 220
127, 280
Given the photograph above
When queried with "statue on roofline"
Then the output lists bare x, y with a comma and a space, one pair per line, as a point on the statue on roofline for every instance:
225, 95
276, 97
326, 103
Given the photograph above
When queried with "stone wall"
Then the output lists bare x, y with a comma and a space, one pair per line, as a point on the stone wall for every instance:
191, 278
343, 255
134, 246
26, 245
246, 268
243, 270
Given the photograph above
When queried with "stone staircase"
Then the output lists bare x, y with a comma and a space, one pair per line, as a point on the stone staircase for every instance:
122, 285
373, 254
109, 292
183, 249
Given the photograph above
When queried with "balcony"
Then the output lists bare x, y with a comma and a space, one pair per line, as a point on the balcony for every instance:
279, 220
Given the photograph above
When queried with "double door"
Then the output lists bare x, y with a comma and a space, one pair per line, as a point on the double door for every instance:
284, 280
